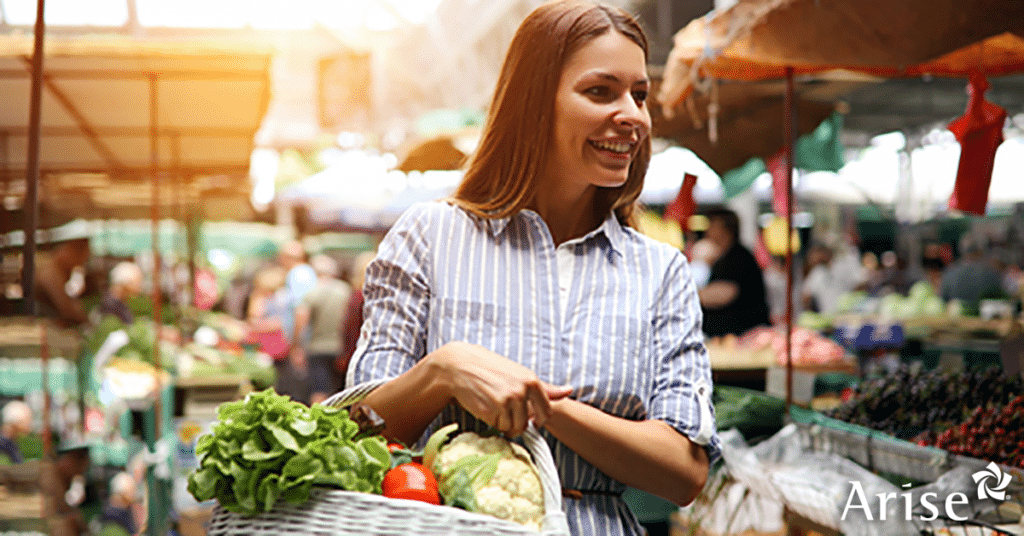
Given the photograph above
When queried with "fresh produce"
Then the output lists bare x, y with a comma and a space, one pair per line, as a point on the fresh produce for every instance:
486, 474
268, 447
753, 413
809, 348
993, 433
907, 402
411, 481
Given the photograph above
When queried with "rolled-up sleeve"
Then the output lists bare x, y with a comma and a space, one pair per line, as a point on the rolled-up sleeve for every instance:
681, 395
396, 300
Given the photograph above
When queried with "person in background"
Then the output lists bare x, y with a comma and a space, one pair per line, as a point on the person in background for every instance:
322, 310
776, 285
300, 278
529, 295
125, 283
61, 483
117, 518
267, 312
891, 277
734, 300
52, 272
829, 277
702, 255
17, 423
971, 277
354, 315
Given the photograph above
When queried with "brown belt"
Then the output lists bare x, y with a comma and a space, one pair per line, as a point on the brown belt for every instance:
579, 493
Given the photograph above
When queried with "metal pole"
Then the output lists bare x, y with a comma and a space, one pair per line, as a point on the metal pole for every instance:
788, 137
31, 209
156, 518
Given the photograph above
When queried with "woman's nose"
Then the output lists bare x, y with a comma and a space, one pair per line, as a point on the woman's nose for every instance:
634, 115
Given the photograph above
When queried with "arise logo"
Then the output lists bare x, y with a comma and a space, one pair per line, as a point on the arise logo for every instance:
992, 484
992, 472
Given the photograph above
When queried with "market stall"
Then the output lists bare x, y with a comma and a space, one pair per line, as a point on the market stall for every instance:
782, 40
175, 143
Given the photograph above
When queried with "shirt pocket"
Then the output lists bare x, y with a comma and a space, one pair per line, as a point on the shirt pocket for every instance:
471, 321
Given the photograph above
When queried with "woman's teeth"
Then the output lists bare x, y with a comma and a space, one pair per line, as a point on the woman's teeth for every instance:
615, 147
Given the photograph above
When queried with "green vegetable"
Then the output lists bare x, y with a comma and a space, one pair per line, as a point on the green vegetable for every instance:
267, 448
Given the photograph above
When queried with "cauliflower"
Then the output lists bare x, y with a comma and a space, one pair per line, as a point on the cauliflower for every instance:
489, 475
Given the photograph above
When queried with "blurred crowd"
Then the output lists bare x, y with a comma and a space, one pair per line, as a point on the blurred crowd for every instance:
735, 289
305, 312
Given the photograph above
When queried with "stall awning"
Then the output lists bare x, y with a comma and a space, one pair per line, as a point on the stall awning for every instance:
94, 149
756, 40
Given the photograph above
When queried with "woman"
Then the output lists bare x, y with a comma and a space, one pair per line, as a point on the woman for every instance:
530, 296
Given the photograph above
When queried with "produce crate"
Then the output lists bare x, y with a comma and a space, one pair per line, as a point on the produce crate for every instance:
876, 451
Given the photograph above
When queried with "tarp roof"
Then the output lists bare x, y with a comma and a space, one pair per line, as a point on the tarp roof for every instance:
756, 40
95, 125
95, 109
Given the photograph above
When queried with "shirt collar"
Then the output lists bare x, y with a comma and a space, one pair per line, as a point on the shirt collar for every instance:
610, 228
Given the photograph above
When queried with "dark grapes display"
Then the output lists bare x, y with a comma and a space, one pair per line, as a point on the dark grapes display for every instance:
921, 405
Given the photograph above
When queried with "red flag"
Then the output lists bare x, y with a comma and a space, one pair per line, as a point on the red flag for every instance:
777, 165
979, 131
761, 253
682, 207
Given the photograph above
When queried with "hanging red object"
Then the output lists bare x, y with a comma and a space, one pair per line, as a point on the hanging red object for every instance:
683, 206
777, 167
979, 131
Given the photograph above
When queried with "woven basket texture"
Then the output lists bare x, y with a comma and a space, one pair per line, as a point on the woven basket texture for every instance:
334, 512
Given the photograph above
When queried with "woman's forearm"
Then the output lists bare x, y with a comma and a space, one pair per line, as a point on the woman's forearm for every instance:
647, 455
410, 402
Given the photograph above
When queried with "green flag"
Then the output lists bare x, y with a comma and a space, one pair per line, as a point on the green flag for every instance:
821, 150
736, 181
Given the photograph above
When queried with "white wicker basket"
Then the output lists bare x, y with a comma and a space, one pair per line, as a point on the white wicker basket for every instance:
330, 512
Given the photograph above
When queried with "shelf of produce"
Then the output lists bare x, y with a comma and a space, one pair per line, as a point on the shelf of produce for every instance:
202, 394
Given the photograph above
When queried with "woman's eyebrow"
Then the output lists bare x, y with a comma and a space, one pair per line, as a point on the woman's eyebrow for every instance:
613, 78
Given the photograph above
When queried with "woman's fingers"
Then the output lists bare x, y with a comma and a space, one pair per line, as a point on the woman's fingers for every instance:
497, 390
519, 416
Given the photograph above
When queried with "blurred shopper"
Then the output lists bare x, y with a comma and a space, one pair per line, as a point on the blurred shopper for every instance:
354, 315
734, 300
932, 266
53, 271
971, 277
776, 285
125, 283
267, 313
17, 423
117, 518
300, 278
702, 255
892, 276
62, 485
322, 310
830, 277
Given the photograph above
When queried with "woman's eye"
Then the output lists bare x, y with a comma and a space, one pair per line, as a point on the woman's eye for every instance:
598, 91
640, 95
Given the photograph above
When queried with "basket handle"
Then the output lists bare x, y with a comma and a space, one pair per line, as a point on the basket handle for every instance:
555, 521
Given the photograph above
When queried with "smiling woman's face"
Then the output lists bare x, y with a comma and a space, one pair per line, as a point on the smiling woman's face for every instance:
600, 114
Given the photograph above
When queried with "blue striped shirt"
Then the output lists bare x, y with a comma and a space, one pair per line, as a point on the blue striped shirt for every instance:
628, 340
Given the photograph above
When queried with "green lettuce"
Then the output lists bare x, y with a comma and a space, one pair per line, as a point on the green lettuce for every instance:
268, 447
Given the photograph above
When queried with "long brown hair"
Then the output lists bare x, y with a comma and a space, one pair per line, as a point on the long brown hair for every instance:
502, 175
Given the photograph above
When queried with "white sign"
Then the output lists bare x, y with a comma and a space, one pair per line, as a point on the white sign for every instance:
992, 483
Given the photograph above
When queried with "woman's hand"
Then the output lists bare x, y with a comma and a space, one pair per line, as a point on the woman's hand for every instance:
496, 389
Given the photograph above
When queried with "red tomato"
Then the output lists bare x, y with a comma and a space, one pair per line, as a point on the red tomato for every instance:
411, 481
